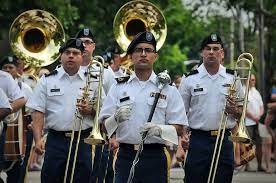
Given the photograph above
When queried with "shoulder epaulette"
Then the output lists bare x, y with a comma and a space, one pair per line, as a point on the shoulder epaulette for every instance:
105, 66
230, 71
54, 72
122, 79
192, 73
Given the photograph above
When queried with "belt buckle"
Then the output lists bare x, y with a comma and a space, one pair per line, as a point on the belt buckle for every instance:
214, 132
136, 147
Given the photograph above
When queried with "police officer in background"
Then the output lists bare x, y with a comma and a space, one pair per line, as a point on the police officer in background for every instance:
54, 103
204, 93
126, 110
88, 39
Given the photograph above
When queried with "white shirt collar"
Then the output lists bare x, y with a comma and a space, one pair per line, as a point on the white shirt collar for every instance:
62, 72
152, 78
203, 72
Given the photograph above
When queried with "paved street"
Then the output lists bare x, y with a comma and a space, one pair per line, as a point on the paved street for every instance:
177, 176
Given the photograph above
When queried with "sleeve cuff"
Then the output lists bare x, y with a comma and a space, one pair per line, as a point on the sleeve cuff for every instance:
110, 125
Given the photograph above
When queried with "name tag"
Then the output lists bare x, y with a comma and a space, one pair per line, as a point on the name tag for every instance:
55, 90
226, 85
162, 96
198, 89
124, 99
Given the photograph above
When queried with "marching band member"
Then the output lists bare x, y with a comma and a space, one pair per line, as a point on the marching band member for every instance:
54, 103
203, 92
113, 54
12, 91
127, 107
87, 37
16, 172
5, 108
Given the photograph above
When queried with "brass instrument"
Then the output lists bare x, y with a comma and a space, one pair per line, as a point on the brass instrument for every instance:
245, 62
35, 37
95, 136
135, 17
243, 67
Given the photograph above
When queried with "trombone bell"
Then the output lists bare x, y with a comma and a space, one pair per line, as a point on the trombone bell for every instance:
240, 136
94, 139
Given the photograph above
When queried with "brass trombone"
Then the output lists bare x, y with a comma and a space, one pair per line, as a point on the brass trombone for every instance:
95, 137
243, 66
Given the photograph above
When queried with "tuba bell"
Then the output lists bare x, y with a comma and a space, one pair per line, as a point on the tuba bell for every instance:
35, 37
135, 17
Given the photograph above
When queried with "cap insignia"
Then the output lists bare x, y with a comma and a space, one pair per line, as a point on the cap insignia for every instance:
86, 32
149, 36
78, 42
214, 37
10, 59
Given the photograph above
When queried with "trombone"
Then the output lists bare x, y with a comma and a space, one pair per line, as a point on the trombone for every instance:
243, 66
95, 136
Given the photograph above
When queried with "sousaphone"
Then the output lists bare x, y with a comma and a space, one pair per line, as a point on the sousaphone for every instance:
135, 17
35, 37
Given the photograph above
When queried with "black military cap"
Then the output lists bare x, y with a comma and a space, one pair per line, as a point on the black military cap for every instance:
114, 50
213, 38
142, 37
86, 32
9, 60
72, 43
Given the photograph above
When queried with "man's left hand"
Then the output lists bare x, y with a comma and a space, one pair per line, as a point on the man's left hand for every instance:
86, 108
151, 129
231, 107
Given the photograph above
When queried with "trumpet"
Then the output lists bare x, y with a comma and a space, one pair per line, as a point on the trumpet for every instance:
243, 66
95, 136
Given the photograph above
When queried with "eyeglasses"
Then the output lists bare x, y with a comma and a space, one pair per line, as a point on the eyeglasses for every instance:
144, 50
215, 48
74, 53
87, 42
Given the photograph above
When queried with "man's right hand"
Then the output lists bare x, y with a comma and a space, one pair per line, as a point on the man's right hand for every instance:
40, 147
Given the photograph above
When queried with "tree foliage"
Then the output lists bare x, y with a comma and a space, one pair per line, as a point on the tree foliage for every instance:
185, 28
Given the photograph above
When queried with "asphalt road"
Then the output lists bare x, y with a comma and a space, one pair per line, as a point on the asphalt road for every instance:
178, 173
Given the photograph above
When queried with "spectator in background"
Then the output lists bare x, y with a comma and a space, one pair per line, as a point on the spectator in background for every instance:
255, 110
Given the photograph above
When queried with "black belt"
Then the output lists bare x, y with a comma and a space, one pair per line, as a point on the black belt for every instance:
84, 133
210, 133
145, 146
